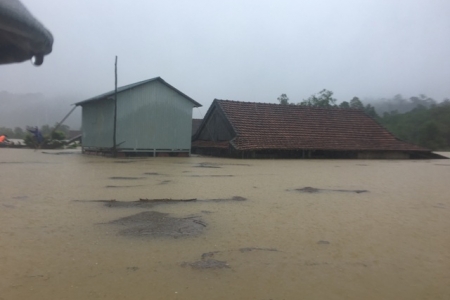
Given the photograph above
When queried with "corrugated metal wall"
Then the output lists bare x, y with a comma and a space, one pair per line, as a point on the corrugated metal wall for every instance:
150, 117
97, 124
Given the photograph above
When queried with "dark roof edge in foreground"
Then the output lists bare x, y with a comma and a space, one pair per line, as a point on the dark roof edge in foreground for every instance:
133, 85
22, 36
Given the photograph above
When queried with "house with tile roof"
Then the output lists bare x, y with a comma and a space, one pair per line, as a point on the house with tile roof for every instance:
263, 130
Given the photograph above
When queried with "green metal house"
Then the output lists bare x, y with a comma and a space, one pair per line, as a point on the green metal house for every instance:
153, 118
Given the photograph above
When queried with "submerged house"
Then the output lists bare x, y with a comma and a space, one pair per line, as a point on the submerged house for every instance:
246, 129
153, 118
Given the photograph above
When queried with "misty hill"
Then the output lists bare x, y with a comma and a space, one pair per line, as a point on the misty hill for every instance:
399, 104
34, 109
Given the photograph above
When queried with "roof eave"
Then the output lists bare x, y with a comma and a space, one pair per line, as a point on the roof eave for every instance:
133, 85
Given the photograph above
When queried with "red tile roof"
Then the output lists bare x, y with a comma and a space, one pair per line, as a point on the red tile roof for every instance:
261, 126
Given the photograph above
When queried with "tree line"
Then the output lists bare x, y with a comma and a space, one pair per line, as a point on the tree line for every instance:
45, 137
46, 130
420, 120
424, 126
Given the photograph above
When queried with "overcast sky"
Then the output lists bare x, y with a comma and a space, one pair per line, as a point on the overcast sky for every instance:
242, 50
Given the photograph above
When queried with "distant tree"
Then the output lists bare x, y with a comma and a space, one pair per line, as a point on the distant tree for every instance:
323, 99
402, 105
430, 136
54, 140
283, 99
46, 130
391, 113
19, 133
427, 100
344, 104
356, 103
445, 102
425, 126
63, 128
370, 110
58, 135
7, 131
399, 98
30, 141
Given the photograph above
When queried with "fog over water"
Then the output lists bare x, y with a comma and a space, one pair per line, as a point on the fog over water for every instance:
241, 50
374, 229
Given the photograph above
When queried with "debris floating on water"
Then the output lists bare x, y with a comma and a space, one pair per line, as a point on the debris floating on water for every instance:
122, 186
207, 264
156, 224
149, 203
207, 165
61, 152
210, 175
308, 189
322, 242
248, 249
312, 190
125, 178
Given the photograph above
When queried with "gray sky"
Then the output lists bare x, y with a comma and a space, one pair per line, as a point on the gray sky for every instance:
242, 50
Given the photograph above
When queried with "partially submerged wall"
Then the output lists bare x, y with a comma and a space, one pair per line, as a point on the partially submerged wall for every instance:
383, 155
317, 154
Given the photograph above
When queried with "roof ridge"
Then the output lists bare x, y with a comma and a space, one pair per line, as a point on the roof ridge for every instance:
133, 85
293, 105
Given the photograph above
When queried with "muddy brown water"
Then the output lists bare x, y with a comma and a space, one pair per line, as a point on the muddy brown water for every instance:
390, 242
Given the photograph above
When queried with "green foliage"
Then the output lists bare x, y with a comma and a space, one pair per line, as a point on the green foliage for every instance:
46, 130
419, 120
427, 127
30, 141
17, 133
58, 135
401, 104
7, 131
51, 139
356, 103
47, 143
344, 104
370, 111
283, 99
63, 128
322, 99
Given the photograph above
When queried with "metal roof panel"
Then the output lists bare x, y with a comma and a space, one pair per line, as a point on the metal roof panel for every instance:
133, 85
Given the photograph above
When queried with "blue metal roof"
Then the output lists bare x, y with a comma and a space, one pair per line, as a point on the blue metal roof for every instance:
133, 85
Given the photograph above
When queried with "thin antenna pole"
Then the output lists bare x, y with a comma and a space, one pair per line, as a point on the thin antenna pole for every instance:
115, 111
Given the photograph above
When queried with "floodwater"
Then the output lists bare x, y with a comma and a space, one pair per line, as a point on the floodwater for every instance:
390, 240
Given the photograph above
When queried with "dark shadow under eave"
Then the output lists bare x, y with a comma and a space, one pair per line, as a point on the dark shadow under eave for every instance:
314, 154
